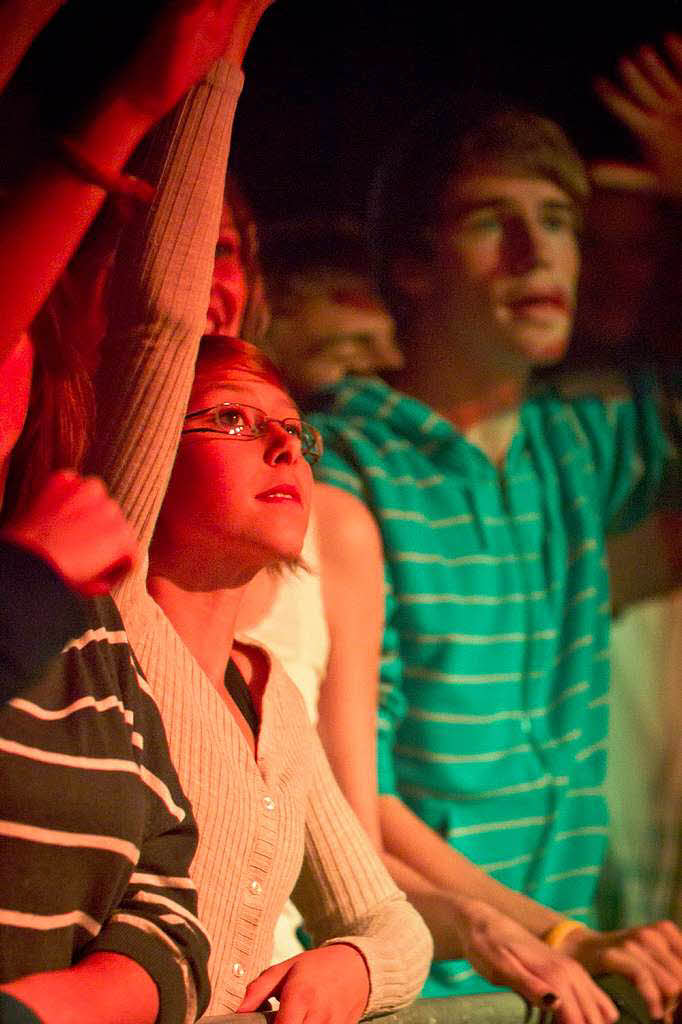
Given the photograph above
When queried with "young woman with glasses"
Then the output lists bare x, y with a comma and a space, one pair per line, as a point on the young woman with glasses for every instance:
226, 447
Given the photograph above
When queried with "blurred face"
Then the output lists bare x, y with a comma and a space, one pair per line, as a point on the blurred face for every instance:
334, 325
506, 265
229, 288
15, 372
236, 502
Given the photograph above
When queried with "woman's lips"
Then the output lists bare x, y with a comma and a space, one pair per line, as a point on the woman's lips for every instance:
280, 493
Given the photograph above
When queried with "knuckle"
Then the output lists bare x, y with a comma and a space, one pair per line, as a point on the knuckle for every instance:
669, 988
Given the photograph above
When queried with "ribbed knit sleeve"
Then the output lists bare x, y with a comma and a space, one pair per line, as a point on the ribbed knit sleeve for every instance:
160, 295
345, 895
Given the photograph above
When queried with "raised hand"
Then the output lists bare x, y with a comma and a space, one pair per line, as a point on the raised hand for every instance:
79, 530
649, 102
184, 42
650, 956
329, 985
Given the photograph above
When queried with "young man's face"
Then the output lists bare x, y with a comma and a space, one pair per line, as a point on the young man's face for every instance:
505, 267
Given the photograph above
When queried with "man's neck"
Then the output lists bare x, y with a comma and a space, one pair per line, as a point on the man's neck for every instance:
480, 396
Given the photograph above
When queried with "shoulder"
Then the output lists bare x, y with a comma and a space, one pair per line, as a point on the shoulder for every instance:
359, 407
343, 519
101, 657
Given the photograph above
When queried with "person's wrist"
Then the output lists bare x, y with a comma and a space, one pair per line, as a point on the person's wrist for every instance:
111, 180
356, 963
467, 915
565, 936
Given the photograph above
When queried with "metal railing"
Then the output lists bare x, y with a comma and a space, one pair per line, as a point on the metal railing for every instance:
493, 1008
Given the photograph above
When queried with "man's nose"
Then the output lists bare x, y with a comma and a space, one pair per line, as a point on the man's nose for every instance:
527, 245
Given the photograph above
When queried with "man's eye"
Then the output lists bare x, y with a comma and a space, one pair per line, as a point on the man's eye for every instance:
560, 221
486, 220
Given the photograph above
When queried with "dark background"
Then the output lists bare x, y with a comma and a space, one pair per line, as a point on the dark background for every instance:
329, 84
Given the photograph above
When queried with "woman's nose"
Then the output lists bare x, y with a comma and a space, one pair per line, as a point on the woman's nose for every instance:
280, 444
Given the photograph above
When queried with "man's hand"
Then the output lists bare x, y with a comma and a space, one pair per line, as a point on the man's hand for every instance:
649, 103
650, 956
329, 985
507, 954
79, 530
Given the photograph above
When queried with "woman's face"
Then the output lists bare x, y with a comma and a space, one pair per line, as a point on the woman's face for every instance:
229, 288
15, 372
234, 505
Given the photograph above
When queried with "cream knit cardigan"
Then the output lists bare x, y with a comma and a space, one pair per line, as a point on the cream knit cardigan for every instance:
260, 822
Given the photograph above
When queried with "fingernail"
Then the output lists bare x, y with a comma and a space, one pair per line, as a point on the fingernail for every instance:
549, 1000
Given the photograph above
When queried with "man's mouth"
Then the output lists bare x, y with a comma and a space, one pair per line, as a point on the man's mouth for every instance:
540, 303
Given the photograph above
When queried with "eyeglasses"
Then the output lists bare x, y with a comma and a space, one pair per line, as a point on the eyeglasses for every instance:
246, 423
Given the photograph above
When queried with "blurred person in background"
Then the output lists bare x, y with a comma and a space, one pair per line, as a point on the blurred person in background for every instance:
493, 511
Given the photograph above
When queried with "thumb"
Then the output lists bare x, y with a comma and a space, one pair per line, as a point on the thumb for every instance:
267, 984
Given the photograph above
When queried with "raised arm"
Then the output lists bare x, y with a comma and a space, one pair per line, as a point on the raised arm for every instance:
161, 286
20, 22
649, 102
51, 210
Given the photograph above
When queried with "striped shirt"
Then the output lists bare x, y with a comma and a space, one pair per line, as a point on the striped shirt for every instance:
35, 586
494, 675
95, 832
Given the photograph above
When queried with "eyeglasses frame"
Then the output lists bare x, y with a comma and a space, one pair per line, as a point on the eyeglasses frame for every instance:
311, 456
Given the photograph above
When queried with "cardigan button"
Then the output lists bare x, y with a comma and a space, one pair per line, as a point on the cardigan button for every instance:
238, 970
268, 803
255, 887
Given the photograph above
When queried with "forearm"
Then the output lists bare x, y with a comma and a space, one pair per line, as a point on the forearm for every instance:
350, 549
20, 23
42, 225
345, 895
439, 880
105, 988
160, 297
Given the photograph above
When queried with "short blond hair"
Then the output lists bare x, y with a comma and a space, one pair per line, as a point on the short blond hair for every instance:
458, 137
